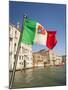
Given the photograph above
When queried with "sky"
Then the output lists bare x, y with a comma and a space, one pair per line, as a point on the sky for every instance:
51, 16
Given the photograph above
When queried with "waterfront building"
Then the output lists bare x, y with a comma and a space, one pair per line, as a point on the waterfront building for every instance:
40, 58
25, 53
46, 58
55, 59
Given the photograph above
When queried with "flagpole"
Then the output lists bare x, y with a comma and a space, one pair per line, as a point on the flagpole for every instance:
15, 62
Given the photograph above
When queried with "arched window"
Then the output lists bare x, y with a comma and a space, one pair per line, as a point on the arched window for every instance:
22, 57
15, 34
15, 47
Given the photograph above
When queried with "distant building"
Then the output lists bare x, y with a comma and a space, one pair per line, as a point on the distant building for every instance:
46, 58
40, 58
54, 58
64, 59
25, 53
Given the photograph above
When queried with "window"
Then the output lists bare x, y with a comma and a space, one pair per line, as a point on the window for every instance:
20, 47
10, 39
15, 32
19, 57
14, 47
22, 57
20, 63
15, 44
10, 53
25, 51
14, 56
22, 50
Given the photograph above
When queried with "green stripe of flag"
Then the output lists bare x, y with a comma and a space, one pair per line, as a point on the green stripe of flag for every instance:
29, 29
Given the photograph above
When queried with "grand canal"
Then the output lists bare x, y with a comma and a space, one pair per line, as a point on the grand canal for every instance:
40, 77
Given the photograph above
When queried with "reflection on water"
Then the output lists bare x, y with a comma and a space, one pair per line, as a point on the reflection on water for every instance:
38, 77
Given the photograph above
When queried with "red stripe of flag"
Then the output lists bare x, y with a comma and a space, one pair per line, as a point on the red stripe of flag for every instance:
51, 39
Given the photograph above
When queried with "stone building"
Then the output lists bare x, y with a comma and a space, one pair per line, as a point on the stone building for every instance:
25, 53
46, 58
54, 58
40, 58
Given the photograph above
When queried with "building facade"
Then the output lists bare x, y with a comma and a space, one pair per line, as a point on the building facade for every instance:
46, 58
40, 58
25, 53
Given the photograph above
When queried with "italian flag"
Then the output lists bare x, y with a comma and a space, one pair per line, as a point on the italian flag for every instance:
46, 38
30, 29
31, 34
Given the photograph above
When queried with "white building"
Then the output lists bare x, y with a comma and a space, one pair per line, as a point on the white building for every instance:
46, 58
25, 53
54, 58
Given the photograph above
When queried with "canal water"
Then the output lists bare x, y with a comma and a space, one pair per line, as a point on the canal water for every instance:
40, 77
